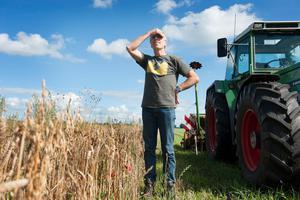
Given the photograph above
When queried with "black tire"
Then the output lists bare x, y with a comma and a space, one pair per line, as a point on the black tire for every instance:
267, 127
296, 139
218, 136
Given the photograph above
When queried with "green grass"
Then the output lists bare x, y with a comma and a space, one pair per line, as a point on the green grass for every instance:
199, 177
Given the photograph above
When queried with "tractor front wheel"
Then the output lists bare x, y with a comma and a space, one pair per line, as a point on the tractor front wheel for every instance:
265, 127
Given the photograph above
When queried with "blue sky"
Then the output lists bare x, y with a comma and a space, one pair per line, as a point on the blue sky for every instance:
78, 47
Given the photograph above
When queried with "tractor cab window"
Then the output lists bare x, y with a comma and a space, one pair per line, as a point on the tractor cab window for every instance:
276, 50
242, 57
230, 64
238, 59
295, 54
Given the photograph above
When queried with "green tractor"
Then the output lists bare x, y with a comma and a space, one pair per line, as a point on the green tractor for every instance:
254, 114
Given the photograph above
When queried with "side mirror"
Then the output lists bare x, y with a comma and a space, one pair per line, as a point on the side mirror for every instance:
222, 47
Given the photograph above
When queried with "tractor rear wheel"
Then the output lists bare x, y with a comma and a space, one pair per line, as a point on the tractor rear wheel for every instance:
218, 136
267, 128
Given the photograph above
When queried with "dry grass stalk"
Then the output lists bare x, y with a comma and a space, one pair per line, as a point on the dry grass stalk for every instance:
8, 186
64, 157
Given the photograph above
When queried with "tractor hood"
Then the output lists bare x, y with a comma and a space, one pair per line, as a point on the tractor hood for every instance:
291, 76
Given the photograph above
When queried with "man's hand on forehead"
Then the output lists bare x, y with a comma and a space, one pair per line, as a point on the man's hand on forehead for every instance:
157, 33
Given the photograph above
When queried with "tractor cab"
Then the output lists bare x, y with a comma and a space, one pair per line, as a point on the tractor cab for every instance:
264, 48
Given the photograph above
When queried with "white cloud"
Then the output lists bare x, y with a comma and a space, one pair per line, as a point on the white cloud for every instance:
28, 91
92, 109
140, 81
204, 28
123, 94
120, 113
165, 6
30, 45
118, 109
102, 3
34, 45
62, 100
101, 47
15, 102
185, 3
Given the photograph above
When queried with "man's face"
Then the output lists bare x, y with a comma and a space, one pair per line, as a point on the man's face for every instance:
158, 42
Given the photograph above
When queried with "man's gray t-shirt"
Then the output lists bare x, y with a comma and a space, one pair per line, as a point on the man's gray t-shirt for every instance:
161, 79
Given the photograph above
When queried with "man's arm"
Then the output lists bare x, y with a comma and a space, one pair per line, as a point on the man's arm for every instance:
192, 79
132, 48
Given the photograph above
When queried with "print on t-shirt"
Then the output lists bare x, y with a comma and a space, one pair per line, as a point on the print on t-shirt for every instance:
158, 68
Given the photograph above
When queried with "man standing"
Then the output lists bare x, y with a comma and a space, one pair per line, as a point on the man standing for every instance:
159, 103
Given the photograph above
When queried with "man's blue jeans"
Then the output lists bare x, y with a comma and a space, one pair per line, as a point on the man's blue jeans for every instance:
164, 120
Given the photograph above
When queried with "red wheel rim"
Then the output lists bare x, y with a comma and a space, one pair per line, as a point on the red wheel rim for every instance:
212, 136
250, 140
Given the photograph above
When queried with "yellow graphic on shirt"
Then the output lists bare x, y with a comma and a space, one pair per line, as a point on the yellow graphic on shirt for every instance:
157, 68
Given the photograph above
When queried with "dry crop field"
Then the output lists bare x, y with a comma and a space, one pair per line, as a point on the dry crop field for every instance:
51, 155
54, 154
